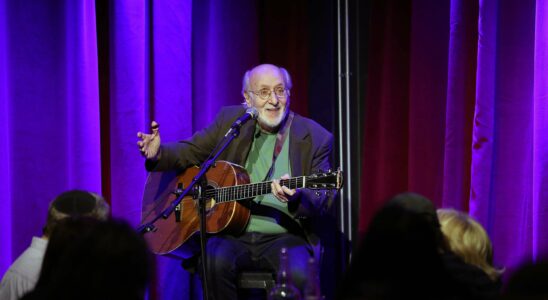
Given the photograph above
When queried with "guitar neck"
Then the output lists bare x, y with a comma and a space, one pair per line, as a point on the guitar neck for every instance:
251, 190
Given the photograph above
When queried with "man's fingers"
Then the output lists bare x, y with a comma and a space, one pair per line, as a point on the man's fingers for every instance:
288, 191
155, 126
149, 143
278, 191
144, 136
274, 187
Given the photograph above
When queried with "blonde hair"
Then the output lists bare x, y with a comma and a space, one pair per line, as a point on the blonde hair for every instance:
469, 240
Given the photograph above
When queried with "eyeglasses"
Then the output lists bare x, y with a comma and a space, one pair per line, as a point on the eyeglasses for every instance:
265, 93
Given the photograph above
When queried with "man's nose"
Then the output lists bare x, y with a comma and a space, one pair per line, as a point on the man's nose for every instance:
273, 99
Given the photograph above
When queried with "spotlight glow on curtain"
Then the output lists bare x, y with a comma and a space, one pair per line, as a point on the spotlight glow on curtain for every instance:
5, 163
50, 109
156, 69
506, 153
457, 110
540, 134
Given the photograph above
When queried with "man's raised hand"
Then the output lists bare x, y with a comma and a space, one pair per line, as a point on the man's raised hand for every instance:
149, 144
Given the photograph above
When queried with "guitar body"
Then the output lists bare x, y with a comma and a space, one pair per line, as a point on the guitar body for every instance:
178, 228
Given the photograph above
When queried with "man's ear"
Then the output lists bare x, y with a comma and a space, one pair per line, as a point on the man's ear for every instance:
247, 99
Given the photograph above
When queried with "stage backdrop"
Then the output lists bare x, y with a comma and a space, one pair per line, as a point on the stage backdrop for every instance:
79, 79
457, 109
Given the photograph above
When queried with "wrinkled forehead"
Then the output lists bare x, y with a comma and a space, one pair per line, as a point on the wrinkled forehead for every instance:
266, 77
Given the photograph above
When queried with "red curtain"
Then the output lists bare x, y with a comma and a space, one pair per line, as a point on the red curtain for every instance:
456, 110
420, 102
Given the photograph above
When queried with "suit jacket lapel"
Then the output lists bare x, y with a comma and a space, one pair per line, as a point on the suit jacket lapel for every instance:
244, 141
299, 148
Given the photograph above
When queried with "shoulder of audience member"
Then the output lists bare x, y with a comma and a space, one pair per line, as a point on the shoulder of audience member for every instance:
470, 280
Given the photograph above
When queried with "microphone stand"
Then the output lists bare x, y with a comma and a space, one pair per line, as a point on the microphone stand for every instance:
196, 188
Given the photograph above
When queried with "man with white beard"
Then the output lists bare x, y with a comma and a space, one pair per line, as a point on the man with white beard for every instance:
278, 145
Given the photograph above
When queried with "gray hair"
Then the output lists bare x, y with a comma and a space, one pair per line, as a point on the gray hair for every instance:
246, 85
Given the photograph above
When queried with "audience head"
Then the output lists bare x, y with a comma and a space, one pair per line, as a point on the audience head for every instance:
66, 231
91, 259
75, 203
400, 252
407, 222
529, 282
421, 208
468, 239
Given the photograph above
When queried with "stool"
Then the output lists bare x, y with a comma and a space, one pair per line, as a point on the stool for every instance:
254, 285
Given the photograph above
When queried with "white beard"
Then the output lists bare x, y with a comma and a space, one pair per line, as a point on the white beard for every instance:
272, 123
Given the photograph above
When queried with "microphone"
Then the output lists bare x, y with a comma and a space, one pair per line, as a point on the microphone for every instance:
250, 114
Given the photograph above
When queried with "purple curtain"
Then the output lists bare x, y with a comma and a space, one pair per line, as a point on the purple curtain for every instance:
459, 111
169, 62
509, 152
60, 135
5, 188
225, 39
540, 132
50, 113
456, 110
149, 70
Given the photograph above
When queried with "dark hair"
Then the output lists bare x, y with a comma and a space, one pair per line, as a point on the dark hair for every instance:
91, 259
529, 281
399, 256
66, 231
75, 203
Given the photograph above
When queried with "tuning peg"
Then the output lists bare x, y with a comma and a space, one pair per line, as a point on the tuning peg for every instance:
177, 192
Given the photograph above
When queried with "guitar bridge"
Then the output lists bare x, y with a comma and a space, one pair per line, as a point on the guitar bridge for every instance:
178, 208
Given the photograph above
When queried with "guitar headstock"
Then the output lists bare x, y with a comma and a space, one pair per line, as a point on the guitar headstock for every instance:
330, 180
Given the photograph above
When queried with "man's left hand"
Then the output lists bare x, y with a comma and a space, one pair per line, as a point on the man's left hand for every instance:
283, 193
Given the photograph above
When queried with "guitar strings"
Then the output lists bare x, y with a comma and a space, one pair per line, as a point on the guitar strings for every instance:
245, 191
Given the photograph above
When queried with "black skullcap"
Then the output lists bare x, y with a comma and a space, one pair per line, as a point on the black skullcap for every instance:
75, 203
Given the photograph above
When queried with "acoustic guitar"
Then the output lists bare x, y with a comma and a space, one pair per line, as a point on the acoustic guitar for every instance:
227, 185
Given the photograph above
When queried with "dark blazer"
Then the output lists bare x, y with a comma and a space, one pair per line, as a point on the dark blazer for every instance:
310, 147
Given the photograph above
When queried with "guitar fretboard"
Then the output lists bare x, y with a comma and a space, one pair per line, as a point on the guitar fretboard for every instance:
251, 190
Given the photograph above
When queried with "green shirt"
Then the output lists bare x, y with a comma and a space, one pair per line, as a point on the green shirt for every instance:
257, 164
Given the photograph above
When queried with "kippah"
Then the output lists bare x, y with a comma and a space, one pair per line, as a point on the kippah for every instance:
75, 203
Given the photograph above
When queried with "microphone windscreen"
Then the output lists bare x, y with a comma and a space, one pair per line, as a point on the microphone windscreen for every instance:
253, 112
